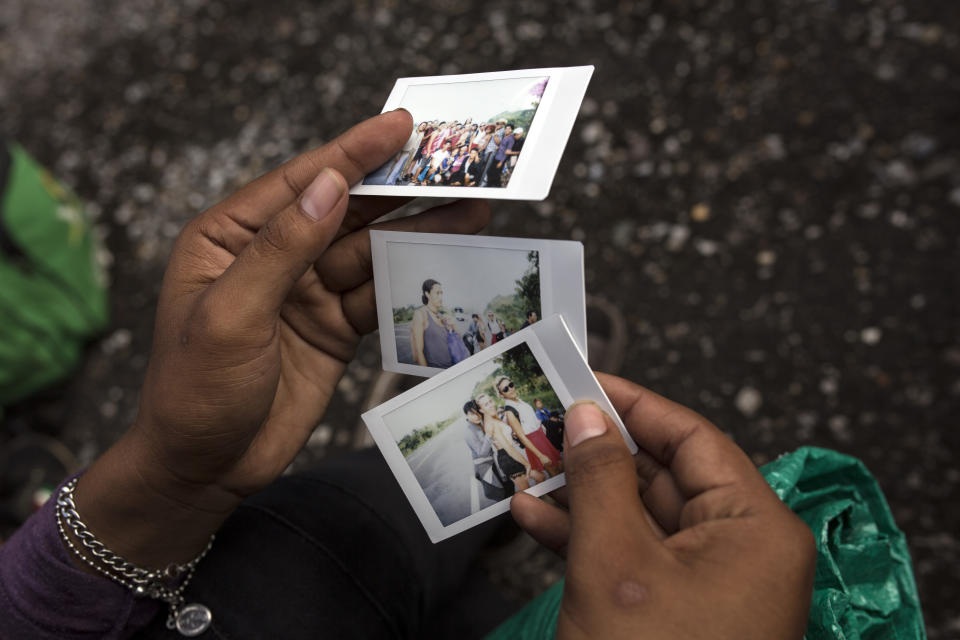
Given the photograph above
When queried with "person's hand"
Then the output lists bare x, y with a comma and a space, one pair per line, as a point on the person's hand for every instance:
684, 540
264, 301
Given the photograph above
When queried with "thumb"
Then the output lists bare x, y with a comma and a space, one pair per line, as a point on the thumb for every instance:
261, 277
607, 515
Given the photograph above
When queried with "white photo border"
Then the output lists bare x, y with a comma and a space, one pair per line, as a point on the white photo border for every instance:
552, 329
542, 150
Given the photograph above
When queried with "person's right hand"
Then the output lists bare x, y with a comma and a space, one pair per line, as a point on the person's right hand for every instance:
683, 540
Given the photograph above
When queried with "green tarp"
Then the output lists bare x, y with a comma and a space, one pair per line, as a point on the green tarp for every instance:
53, 295
864, 587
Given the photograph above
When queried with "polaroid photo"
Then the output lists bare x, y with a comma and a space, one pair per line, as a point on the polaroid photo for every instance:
442, 298
482, 135
461, 443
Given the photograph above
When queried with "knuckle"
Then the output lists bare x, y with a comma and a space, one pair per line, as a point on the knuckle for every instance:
286, 174
647, 469
211, 227
599, 458
362, 257
272, 238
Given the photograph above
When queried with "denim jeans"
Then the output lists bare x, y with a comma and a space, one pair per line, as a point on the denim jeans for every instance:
339, 553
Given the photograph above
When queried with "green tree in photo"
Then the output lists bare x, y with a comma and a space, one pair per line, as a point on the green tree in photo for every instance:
512, 309
520, 365
418, 437
522, 118
528, 286
403, 314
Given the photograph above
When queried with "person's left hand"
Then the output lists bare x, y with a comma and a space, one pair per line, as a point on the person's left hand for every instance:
264, 301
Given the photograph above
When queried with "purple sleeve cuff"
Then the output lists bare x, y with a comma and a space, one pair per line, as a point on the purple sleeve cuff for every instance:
44, 595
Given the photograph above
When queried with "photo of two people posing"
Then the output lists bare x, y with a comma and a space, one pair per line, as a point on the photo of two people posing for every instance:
514, 444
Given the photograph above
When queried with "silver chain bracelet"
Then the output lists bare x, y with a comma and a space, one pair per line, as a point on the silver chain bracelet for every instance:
166, 585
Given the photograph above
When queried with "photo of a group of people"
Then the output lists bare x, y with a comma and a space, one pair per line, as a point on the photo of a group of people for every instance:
451, 302
491, 431
467, 134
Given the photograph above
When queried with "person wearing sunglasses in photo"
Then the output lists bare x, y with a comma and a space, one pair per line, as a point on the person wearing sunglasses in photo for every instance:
540, 452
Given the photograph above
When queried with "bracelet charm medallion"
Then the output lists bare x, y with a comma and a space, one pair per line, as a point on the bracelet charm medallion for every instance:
193, 619
190, 621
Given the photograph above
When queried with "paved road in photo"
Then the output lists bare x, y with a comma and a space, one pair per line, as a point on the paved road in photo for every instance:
444, 468
401, 334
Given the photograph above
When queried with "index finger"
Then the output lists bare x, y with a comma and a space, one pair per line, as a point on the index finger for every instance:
354, 154
699, 456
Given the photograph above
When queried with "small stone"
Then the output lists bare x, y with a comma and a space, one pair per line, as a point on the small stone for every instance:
643, 169
108, 409
918, 145
840, 428
773, 147
544, 209
196, 200
899, 172
677, 238
705, 247
700, 212
870, 210
871, 335
766, 258
886, 71
321, 436
623, 233
117, 341
592, 132
828, 386
955, 197
671, 146
900, 219
748, 401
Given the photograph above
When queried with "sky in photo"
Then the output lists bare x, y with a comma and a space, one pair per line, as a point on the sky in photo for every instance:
479, 99
471, 276
437, 404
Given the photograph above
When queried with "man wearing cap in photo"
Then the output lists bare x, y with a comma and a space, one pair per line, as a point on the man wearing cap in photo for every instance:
499, 159
514, 153
490, 150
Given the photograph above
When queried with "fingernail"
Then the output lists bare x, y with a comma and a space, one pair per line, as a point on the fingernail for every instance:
584, 420
322, 194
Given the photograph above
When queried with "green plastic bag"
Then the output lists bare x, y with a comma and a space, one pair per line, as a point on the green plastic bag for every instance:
53, 294
864, 588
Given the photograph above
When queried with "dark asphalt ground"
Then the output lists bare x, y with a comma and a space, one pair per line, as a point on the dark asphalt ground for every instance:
769, 192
